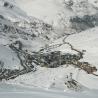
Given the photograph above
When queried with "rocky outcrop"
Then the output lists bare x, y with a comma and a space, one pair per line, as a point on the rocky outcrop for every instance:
84, 23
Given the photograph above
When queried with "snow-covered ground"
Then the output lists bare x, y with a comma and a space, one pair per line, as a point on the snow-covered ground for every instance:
46, 10
15, 91
9, 58
51, 10
88, 42
47, 82
81, 41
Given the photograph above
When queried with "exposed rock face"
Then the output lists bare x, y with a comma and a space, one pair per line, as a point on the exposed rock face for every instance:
85, 22
26, 30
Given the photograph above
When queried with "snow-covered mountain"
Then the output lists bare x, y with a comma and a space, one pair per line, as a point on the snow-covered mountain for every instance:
41, 43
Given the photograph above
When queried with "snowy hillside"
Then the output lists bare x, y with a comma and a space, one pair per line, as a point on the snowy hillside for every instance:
58, 75
49, 47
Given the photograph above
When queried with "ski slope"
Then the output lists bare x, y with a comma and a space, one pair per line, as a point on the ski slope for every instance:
14, 91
